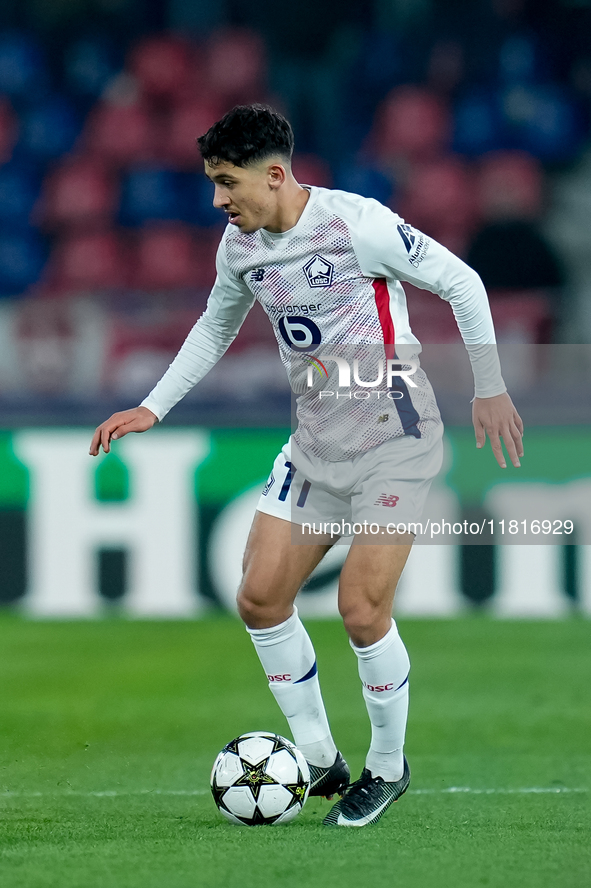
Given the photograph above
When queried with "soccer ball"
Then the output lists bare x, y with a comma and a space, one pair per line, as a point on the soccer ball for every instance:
260, 778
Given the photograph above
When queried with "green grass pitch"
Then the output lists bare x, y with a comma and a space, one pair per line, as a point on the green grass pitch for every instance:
108, 731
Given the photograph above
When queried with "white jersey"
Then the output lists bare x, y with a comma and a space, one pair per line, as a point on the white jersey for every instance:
331, 287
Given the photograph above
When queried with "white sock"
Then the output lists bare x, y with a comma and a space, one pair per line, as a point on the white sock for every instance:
383, 669
288, 658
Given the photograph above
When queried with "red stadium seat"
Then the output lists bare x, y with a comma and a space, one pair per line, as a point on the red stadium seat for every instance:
8, 130
187, 121
412, 123
122, 134
164, 66
236, 66
311, 170
81, 191
439, 199
431, 319
166, 258
522, 316
205, 246
139, 349
89, 263
510, 185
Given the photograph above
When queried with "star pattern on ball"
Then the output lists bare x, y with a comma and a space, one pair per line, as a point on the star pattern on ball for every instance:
254, 777
298, 793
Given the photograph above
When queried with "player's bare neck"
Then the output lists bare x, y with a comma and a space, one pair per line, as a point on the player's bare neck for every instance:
290, 207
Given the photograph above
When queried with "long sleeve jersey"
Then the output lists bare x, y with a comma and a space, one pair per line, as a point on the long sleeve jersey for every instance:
332, 289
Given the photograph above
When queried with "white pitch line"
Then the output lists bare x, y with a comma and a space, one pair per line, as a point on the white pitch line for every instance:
526, 790
450, 790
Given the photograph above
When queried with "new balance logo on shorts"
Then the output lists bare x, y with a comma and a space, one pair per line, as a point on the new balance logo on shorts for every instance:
269, 484
387, 499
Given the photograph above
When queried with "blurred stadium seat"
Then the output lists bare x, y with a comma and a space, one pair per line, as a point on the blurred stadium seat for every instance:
309, 169
478, 123
22, 257
197, 198
510, 185
544, 120
120, 133
163, 65
412, 123
22, 66
235, 66
19, 187
48, 129
364, 180
88, 66
205, 246
431, 319
187, 120
86, 263
139, 349
522, 316
166, 258
150, 193
439, 198
8, 129
82, 191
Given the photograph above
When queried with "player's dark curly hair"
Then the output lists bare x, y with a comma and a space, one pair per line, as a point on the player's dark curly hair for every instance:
247, 134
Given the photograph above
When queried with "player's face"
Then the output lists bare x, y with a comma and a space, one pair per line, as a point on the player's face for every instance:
248, 195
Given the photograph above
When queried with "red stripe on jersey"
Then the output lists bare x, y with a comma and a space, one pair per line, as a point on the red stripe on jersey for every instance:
386, 323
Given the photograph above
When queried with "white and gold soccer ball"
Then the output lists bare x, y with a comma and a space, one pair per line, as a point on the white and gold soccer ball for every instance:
260, 778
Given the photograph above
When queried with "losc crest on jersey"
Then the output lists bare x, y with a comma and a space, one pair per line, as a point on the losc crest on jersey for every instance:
319, 272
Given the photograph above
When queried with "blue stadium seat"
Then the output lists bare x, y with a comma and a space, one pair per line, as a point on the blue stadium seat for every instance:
22, 257
364, 180
522, 60
48, 129
197, 195
22, 67
88, 66
19, 189
150, 193
545, 120
478, 124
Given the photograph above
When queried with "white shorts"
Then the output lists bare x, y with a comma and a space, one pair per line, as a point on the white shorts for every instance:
385, 485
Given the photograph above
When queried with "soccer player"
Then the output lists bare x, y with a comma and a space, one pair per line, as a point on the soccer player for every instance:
327, 267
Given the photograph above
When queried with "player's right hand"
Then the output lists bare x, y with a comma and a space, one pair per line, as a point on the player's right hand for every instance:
138, 419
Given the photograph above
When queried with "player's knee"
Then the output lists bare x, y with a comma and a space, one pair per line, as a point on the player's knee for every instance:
256, 609
363, 622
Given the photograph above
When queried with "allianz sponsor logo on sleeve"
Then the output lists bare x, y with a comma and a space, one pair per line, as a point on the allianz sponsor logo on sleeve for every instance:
415, 242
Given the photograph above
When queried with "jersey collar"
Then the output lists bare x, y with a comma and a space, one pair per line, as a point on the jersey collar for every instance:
277, 237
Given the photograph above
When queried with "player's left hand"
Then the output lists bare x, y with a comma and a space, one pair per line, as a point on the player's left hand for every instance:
498, 418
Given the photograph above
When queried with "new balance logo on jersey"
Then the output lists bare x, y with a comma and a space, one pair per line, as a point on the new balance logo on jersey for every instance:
257, 275
319, 272
387, 499
384, 417
269, 484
